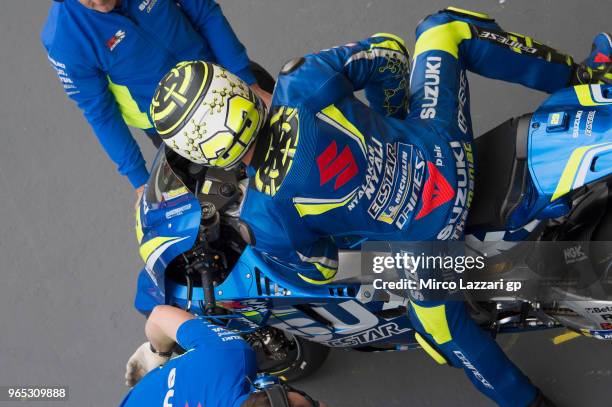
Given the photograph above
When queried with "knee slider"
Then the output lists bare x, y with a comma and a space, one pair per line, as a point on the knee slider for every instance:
431, 350
434, 322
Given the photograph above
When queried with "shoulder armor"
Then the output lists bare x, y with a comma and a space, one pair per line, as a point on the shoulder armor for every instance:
276, 154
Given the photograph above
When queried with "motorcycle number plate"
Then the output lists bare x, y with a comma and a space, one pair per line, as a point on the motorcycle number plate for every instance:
557, 121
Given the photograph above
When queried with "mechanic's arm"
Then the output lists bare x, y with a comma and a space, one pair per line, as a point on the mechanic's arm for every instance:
168, 325
379, 65
207, 17
162, 326
88, 87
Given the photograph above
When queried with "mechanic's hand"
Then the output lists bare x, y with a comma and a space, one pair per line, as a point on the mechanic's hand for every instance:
141, 363
265, 96
139, 192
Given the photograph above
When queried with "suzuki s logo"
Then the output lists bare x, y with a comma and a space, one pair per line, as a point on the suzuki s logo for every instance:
331, 164
115, 40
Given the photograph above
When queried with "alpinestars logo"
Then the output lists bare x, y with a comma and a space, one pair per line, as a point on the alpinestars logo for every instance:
431, 89
115, 40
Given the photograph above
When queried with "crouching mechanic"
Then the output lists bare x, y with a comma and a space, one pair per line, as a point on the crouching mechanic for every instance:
325, 166
218, 368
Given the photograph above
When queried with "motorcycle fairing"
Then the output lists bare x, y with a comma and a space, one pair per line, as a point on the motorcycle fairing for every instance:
258, 293
570, 145
167, 221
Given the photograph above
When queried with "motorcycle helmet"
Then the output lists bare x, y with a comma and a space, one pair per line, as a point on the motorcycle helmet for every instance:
276, 393
207, 114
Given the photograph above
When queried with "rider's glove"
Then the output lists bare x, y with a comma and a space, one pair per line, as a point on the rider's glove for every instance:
142, 362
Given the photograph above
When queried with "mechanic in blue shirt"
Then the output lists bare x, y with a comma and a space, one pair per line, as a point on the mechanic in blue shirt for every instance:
216, 370
110, 55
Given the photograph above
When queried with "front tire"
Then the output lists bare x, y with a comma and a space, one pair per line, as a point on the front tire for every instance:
289, 357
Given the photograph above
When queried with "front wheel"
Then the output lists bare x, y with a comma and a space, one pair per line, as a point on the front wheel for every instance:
289, 357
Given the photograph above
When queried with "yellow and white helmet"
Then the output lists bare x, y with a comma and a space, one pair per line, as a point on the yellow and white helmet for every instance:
207, 114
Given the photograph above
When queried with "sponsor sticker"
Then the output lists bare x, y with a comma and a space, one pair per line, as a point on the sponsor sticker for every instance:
115, 40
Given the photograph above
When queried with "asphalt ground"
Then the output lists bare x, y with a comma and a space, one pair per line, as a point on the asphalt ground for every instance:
68, 254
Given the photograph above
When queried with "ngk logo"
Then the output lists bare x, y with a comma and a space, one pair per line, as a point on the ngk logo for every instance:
574, 254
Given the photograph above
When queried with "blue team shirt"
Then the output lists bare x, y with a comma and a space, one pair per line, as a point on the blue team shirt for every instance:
212, 373
133, 47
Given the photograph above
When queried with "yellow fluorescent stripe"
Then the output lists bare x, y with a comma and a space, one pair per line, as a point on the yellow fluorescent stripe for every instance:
584, 95
151, 245
515, 49
128, 107
434, 321
569, 173
306, 209
277, 115
139, 232
327, 272
468, 12
445, 37
568, 336
164, 113
431, 351
315, 282
336, 115
395, 37
388, 45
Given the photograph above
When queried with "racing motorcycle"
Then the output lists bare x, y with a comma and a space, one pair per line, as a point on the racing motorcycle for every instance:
542, 177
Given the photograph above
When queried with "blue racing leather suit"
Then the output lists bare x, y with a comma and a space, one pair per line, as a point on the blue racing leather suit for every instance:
332, 167
110, 63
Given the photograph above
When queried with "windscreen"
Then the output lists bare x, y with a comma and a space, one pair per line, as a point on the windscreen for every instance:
163, 184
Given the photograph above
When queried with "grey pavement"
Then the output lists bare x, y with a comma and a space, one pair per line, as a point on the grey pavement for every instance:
68, 254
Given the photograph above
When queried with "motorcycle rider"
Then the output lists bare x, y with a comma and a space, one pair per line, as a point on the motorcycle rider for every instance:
110, 55
216, 370
324, 166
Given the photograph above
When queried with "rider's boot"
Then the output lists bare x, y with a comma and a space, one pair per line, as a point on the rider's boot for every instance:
597, 67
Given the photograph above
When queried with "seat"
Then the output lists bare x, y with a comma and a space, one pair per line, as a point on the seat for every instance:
501, 174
